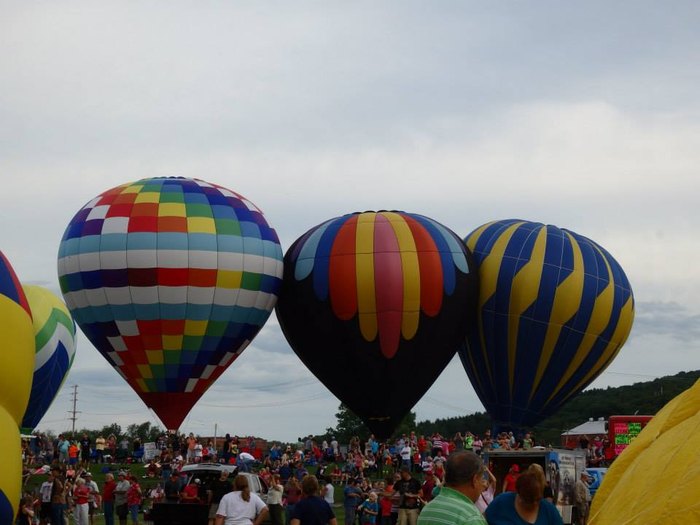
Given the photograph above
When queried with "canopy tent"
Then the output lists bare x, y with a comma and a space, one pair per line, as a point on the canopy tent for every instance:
591, 428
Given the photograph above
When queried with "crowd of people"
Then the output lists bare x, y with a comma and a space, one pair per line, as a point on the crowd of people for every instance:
408, 481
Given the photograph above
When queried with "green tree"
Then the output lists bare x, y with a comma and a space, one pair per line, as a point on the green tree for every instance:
145, 432
349, 425
108, 430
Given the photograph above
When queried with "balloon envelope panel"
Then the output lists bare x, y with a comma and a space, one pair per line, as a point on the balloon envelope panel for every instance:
666, 449
54, 335
375, 305
16, 366
554, 310
170, 279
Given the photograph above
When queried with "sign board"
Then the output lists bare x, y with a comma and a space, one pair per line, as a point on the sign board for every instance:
624, 429
150, 451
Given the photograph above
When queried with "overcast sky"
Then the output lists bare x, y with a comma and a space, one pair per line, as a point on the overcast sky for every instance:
584, 115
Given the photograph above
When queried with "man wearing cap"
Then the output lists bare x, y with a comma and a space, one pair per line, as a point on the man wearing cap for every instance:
120, 500
510, 478
172, 488
93, 497
190, 494
409, 490
464, 482
582, 497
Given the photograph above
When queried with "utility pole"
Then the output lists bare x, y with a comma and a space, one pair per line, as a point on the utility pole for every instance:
74, 411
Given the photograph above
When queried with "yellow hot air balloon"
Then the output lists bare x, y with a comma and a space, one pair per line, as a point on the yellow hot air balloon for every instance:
656, 479
16, 372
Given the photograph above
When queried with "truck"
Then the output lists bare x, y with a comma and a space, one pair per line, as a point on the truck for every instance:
562, 468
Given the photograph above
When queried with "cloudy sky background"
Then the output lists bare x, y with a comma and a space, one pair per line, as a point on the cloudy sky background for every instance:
582, 115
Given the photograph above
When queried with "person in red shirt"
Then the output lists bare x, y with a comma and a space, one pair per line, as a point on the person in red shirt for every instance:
81, 493
422, 448
428, 486
511, 478
385, 502
108, 498
133, 499
190, 494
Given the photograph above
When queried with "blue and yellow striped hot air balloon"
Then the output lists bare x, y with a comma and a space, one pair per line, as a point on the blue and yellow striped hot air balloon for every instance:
54, 334
554, 310
16, 366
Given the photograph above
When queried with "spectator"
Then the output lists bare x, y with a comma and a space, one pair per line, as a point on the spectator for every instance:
582, 498
172, 488
241, 506
108, 498
464, 483
510, 478
274, 501
328, 492
487, 495
120, 498
93, 498
190, 494
352, 497
409, 490
81, 493
293, 492
312, 509
134, 497
370, 509
526, 504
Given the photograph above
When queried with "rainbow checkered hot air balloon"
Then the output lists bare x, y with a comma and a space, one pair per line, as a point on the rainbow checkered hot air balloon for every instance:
170, 279
54, 335
375, 305
554, 310
16, 367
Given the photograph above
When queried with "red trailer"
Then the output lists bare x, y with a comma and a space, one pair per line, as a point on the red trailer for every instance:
622, 430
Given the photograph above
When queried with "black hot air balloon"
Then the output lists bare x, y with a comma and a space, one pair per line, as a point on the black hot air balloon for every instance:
376, 305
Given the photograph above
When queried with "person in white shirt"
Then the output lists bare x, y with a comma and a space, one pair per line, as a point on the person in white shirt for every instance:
328, 492
241, 507
45, 492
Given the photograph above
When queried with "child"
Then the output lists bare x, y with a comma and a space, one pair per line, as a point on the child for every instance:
385, 503
26, 511
370, 509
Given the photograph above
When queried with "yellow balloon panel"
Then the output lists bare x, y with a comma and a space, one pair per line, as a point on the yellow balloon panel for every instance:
10, 468
16, 358
656, 478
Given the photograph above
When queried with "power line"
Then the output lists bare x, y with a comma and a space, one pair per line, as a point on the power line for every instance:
74, 411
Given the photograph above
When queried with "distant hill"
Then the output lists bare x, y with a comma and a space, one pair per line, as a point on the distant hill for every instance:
644, 398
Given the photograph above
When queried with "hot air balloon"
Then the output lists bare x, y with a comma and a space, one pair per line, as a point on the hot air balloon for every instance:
655, 480
375, 305
554, 310
16, 367
170, 279
54, 335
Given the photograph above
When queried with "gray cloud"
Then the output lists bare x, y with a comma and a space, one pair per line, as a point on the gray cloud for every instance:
578, 115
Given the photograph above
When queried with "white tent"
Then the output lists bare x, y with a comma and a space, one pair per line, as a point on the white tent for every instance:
591, 428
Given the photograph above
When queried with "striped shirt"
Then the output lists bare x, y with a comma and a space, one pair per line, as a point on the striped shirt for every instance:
451, 508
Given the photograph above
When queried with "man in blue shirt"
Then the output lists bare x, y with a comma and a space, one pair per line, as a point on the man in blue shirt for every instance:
353, 497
